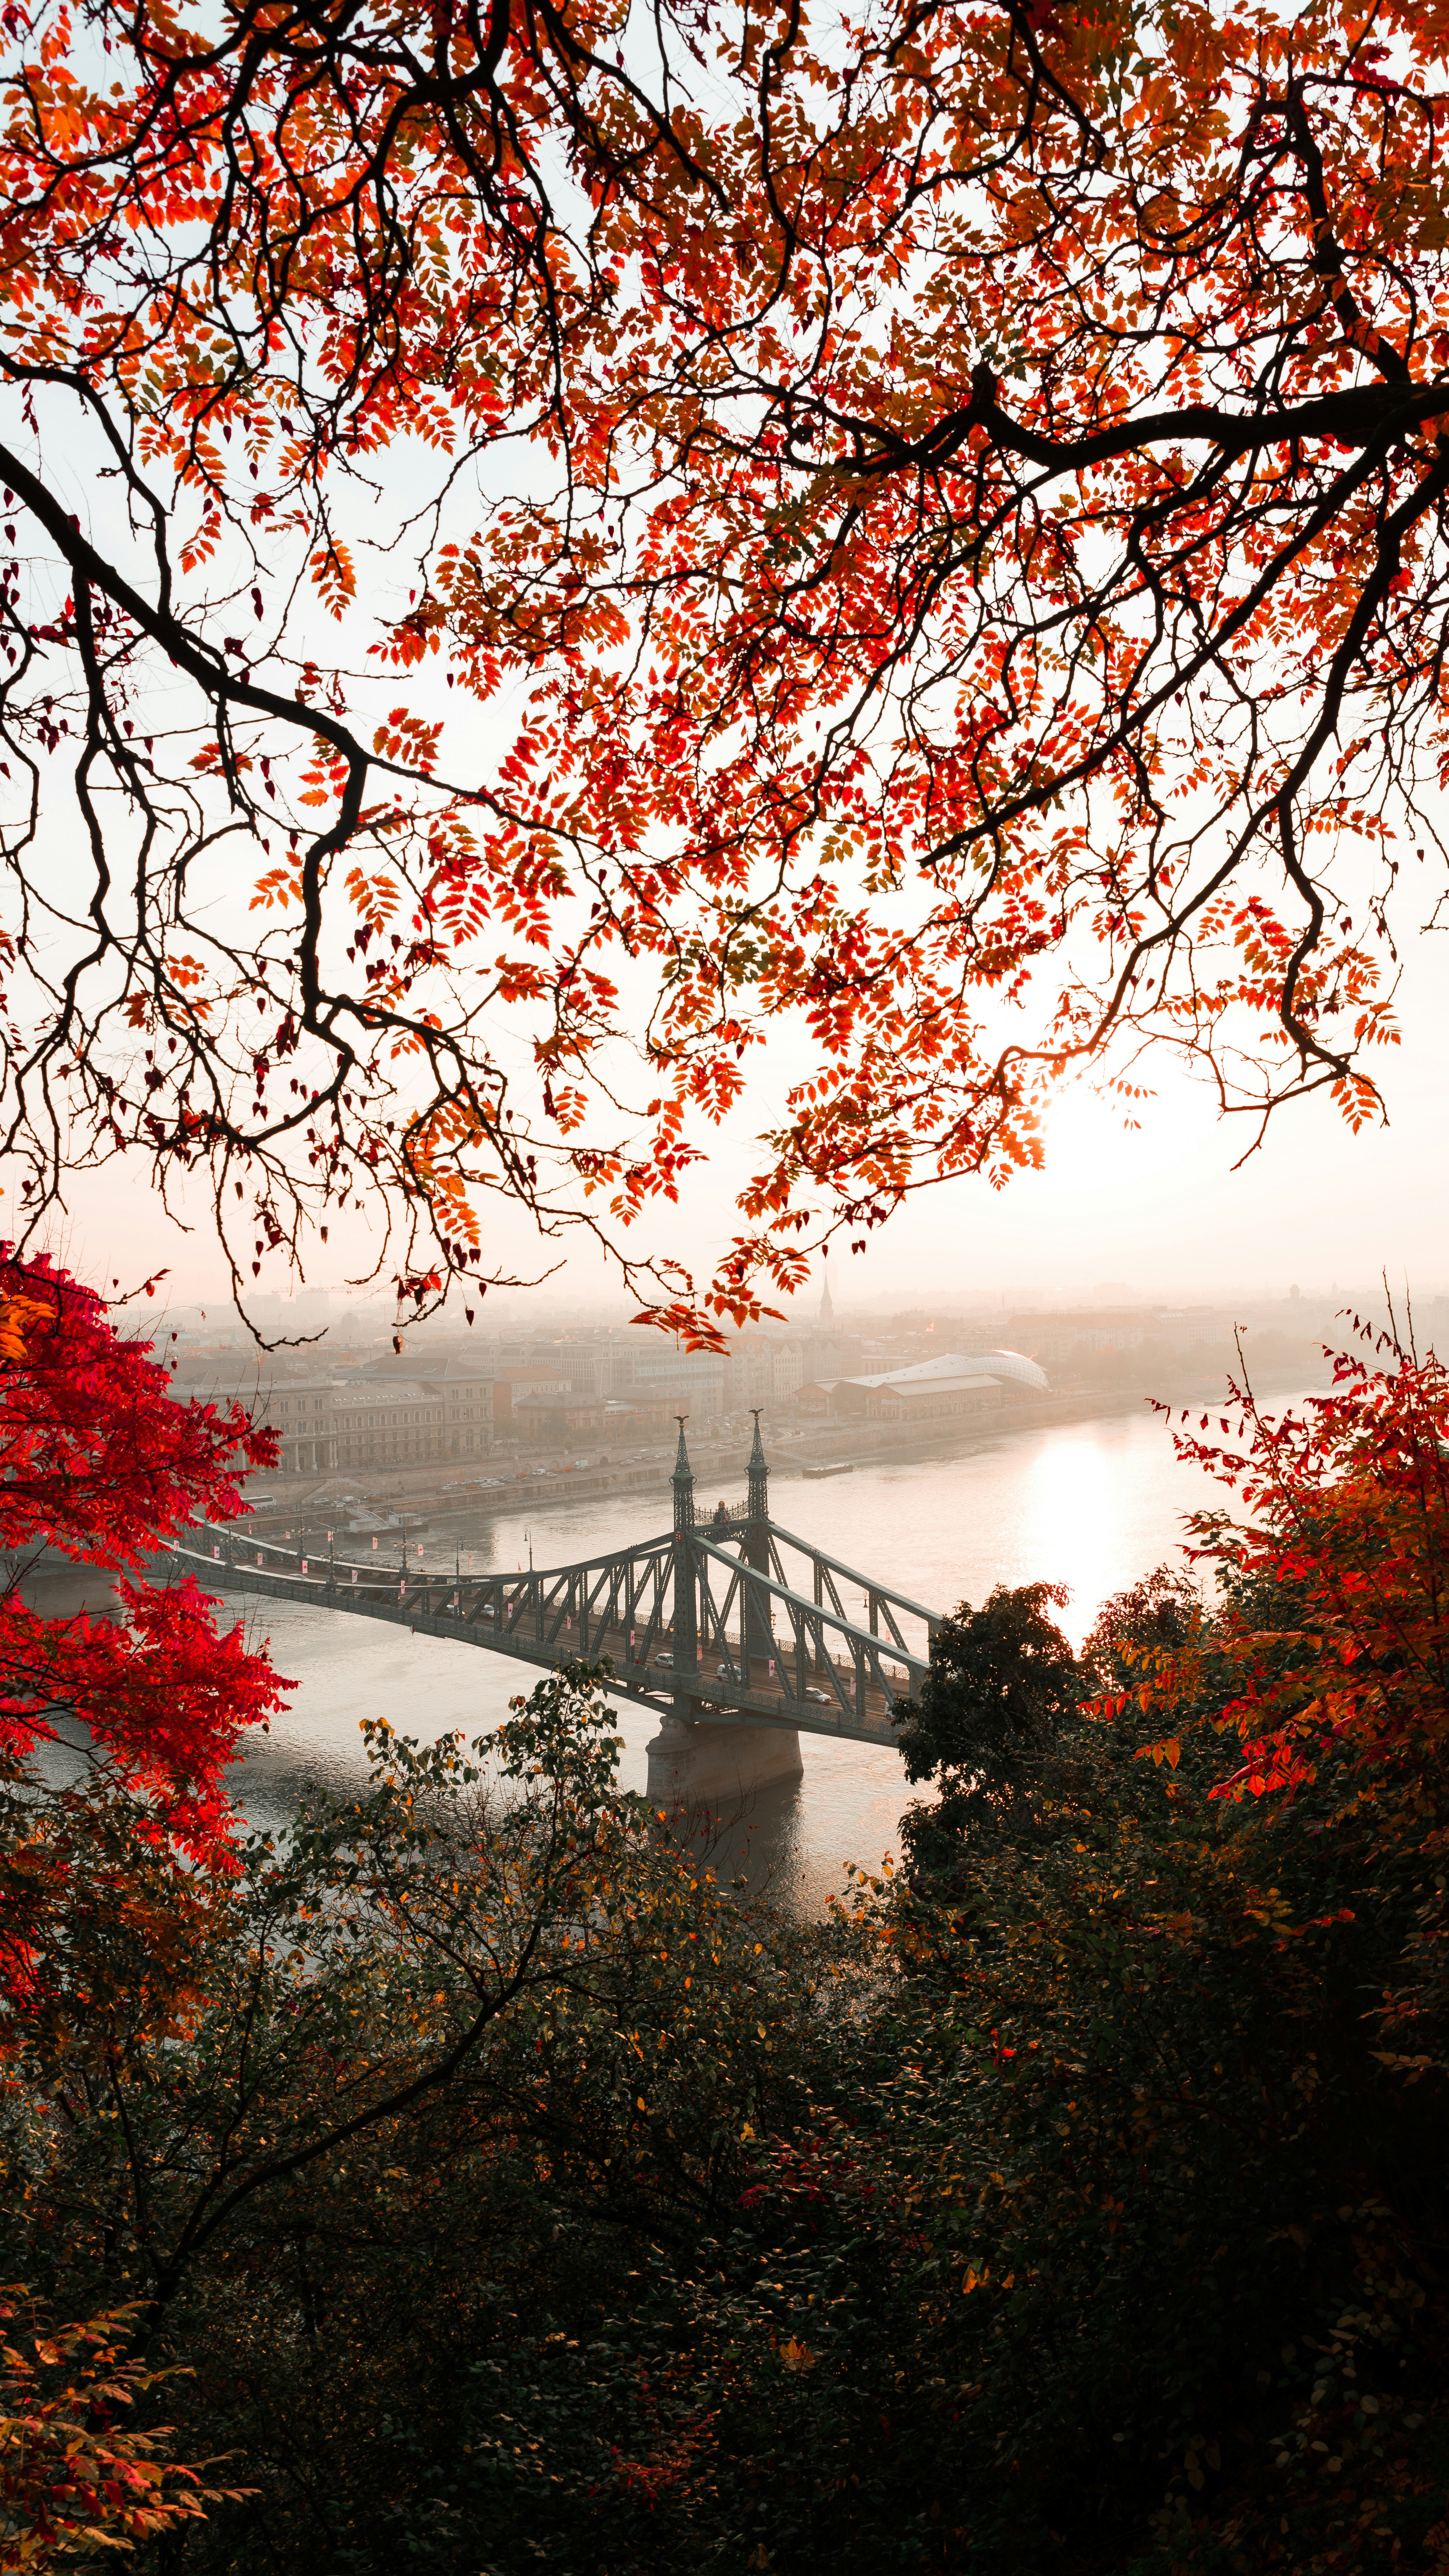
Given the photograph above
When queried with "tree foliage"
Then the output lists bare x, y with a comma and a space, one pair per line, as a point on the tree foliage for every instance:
1068, 2213
1331, 1648
1160, 1610
515, 2194
1002, 1685
933, 526
103, 1465
452, 2105
74, 2478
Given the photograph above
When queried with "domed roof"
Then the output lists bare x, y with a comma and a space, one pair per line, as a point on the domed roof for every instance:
958, 1364
1011, 1364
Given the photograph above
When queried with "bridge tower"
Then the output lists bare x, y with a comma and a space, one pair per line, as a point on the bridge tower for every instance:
756, 1635
759, 1478
686, 1607
719, 1762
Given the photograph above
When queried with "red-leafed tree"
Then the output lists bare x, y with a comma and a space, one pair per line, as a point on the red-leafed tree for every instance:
1328, 1656
540, 550
103, 1464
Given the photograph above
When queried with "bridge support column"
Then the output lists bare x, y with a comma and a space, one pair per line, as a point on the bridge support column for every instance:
712, 1762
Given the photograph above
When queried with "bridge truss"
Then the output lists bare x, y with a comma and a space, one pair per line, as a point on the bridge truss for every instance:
725, 1616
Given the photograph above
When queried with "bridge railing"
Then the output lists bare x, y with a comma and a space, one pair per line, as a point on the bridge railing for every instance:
745, 1640
814, 1649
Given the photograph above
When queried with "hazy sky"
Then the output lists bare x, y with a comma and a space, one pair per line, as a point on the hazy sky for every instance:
1160, 1209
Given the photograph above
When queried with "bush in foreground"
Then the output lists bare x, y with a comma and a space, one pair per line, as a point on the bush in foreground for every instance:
517, 2196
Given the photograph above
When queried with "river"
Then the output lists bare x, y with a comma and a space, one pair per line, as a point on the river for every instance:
1091, 1504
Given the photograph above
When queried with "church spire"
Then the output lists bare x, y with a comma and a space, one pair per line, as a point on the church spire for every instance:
827, 1311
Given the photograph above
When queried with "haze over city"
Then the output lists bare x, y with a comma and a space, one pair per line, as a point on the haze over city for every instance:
1156, 1208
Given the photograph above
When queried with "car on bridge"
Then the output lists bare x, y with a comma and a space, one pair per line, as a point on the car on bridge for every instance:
664, 1663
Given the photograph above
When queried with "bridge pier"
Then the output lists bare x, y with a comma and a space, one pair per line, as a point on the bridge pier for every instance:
704, 1636
712, 1762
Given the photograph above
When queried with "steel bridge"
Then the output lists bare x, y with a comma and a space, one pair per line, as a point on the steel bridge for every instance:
724, 1621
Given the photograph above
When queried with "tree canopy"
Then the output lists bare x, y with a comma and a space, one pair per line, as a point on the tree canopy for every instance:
103, 1466
552, 544
487, 2185
1002, 1686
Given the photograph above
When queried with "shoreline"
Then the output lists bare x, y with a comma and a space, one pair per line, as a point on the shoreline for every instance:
718, 1462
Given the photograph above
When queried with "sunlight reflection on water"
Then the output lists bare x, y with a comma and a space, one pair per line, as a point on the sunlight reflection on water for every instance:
1092, 1505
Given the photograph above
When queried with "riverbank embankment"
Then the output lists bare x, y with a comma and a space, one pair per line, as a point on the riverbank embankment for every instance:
419, 1495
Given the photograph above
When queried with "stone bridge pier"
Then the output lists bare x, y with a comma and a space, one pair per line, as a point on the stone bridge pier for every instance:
711, 1762
738, 1634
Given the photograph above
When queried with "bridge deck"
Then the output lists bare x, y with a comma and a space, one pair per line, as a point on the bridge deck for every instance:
521, 1617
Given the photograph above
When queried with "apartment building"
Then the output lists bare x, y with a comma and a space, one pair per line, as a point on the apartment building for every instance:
1186, 1328
787, 1372
643, 1367
764, 1370
550, 1418
751, 1377
447, 1412
563, 1364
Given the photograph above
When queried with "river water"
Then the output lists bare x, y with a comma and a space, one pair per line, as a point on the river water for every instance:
1091, 1504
